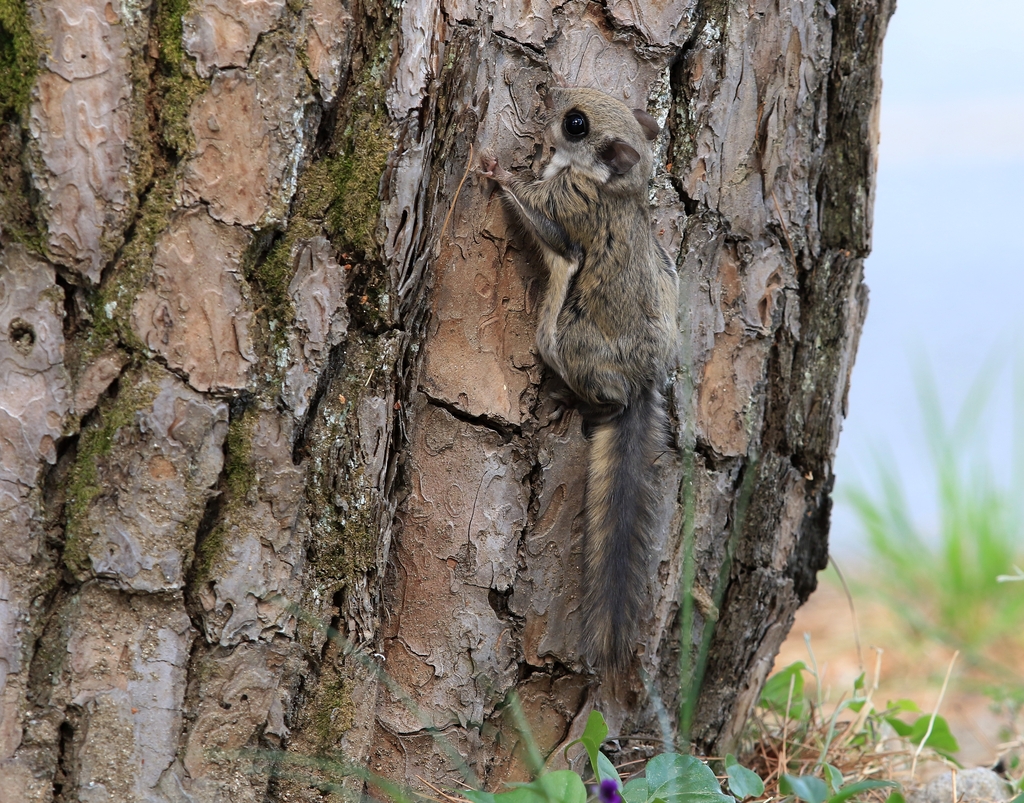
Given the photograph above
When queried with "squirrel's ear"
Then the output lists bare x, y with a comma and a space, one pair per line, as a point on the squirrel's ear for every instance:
647, 123
619, 156
549, 92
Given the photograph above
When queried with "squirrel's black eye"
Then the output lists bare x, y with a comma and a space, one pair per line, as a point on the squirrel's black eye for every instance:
575, 124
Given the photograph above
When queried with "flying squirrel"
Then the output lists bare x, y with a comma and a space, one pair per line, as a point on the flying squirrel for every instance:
607, 327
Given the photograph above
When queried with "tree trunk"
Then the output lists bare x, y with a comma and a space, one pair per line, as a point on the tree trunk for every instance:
267, 369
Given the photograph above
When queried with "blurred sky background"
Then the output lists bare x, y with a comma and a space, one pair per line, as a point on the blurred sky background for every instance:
946, 273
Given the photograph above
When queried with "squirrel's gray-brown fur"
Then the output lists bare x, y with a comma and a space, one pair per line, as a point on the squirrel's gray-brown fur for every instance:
607, 327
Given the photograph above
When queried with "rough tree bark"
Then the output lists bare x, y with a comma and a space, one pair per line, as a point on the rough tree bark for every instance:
264, 336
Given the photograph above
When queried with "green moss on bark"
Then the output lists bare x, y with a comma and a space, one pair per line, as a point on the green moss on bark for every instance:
19, 61
18, 221
239, 472
111, 304
356, 175
239, 479
345, 536
176, 82
273, 275
18, 58
338, 195
332, 711
207, 552
137, 392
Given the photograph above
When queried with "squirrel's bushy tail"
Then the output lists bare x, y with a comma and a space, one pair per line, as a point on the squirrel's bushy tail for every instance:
622, 513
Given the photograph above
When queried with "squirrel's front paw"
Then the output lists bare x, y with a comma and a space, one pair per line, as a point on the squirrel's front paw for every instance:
488, 164
490, 168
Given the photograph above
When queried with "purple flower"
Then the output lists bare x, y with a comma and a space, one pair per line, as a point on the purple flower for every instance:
608, 791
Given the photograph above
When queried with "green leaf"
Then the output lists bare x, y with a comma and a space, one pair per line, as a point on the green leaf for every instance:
896, 797
596, 731
664, 767
858, 684
593, 737
477, 796
674, 778
805, 787
605, 769
940, 739
521, 794
903, 704
635, 791
743, 782
776, 691
860, 786
834, 778
902, 728
562, 786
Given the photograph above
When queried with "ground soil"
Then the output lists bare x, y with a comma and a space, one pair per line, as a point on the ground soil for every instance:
910, 668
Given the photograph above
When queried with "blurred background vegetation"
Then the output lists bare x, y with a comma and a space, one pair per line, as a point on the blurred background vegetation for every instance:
929, 521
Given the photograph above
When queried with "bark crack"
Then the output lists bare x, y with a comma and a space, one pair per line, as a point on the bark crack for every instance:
503, 428
332, 368
64, 750
533, 49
